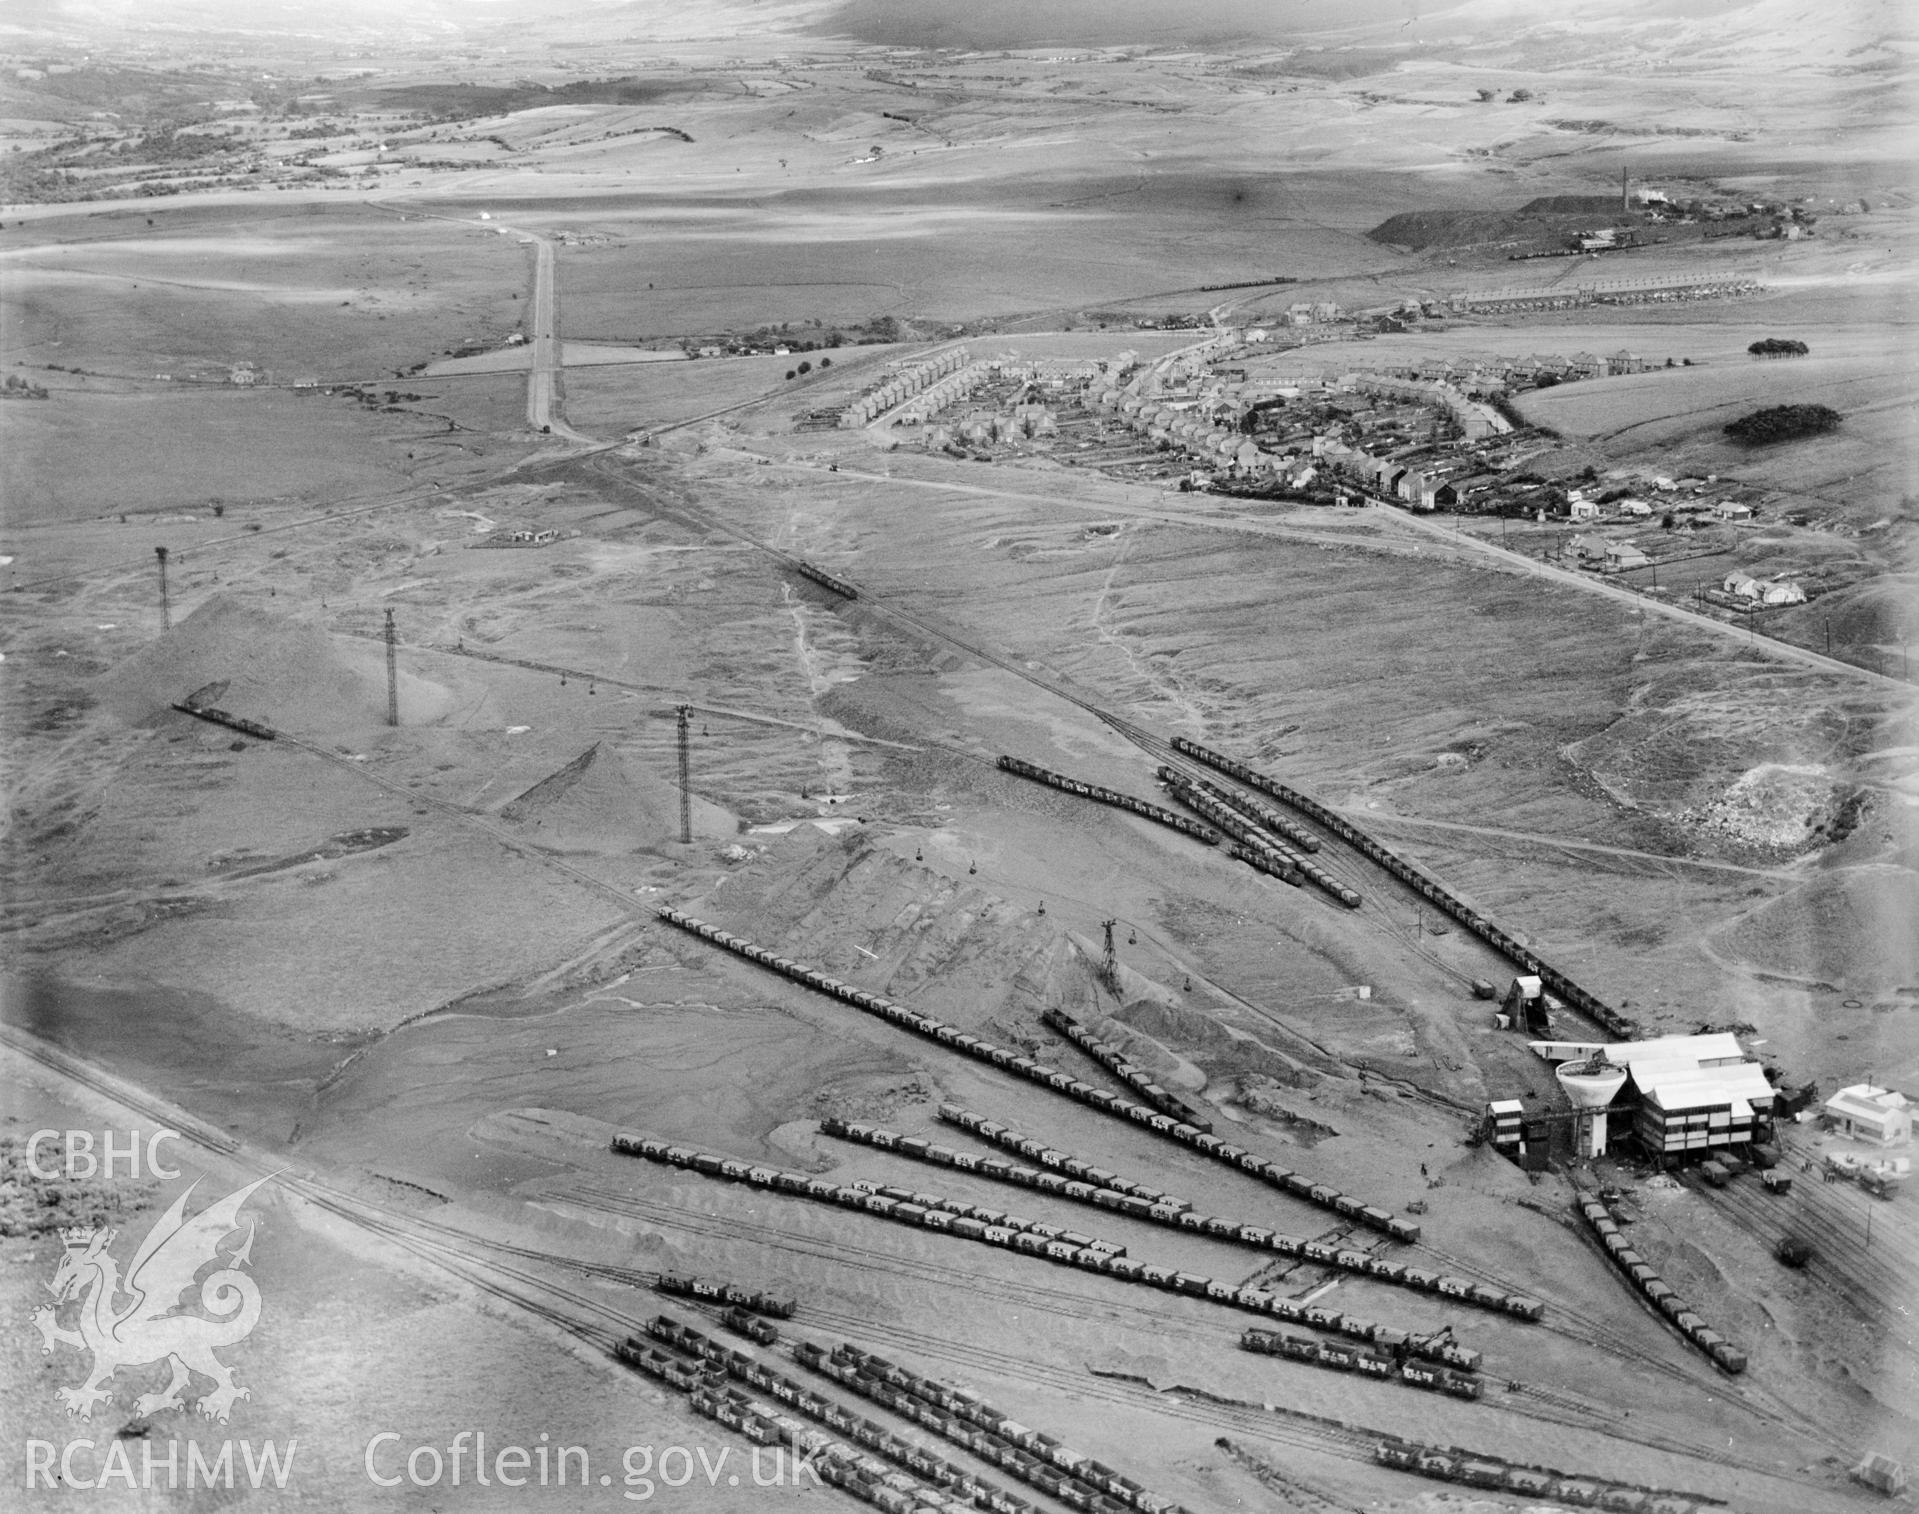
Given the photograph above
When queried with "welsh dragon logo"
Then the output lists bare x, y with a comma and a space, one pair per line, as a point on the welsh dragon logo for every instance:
146, 1328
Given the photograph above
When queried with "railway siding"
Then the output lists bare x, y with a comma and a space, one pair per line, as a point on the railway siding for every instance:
1178, 1215
1370, 1215
1422, 883
1048, 1242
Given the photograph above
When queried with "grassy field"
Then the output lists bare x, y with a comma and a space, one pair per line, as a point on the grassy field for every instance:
633, 397
1675, 418
347, 293
68, 458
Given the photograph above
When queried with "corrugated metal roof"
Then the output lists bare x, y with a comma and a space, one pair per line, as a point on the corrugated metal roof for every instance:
1717, 1046
1694, 1087
1863, 1101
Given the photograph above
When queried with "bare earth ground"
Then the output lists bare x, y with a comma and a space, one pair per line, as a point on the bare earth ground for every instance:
416, 966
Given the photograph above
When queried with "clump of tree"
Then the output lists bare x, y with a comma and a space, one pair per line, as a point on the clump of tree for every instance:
1778, 346
1783, 423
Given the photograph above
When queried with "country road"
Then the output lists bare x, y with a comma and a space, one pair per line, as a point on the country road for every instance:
1167, 515
1404, 524
1767, 645
543, 411
1377, 818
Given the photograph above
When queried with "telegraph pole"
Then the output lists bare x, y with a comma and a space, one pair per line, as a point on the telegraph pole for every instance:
392, 673
686, 771
166, 612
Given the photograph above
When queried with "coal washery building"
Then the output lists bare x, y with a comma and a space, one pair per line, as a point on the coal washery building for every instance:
1680, 1098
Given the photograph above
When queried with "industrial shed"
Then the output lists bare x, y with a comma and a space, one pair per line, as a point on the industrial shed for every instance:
1866, 1113
1689, 1095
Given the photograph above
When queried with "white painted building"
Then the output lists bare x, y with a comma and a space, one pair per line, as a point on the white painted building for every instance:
1868, 1113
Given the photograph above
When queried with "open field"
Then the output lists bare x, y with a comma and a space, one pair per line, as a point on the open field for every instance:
1682, 418
320, 292
196, 448
414, 969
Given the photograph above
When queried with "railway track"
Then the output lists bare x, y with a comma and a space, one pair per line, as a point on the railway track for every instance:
1870, 1279
595, 1323
1309, 1431
1542, 1405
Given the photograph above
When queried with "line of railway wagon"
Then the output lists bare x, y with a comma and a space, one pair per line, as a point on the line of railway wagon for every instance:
228, 719
1421, 883
1261, 862
1449, 1464
1039, 1238
968, 1420
755, 1329
1288, 831
1658, 1292
683, 1285
925, 1481
968, 1044
1179, 1215
1036, 1150
1130, 1073
1249, 844
1102, 795
826, 580
1228, 813
1381, 1364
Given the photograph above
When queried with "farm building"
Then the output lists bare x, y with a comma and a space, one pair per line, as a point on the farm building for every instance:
1634, 507
1732, 509
1867, 1113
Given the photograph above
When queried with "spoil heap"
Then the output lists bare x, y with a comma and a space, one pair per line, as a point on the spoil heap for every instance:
274, 668
597, 804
